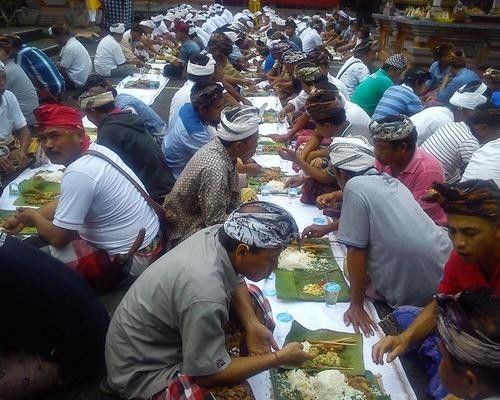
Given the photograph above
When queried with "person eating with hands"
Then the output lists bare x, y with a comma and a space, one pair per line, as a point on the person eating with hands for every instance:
473, 210
194, 319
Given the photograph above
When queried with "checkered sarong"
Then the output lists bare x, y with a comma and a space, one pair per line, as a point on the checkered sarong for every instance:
117, 11
184, 387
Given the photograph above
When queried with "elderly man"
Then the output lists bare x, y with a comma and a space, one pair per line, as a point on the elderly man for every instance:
208, 189
395, 252
109, 58
170, 324
125, 133
370, 91
395, 140
15, 136
189, 132
473, 209
100, 214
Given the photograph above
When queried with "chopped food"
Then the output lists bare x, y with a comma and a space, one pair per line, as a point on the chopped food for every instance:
324, 356
315, 289
291, 259
275, 185
272, 174
306, 346
248, 194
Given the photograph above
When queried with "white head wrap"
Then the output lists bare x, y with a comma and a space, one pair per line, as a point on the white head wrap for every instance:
280, 22
238, 123
231, 35
199, 17
169, 17
469, 100
250, 24
157, 18
117, 28
191, 30
343, 14
147, 23
189, 16
202, 70
351, 154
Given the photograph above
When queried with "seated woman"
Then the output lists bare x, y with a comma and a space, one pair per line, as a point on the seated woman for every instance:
53, 325
441, 66
287, 85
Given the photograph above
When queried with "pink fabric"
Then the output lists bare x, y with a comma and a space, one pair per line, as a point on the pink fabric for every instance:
418, 176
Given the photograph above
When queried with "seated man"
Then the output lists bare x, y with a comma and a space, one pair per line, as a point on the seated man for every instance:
395, 140
75, 64
67, 346
186, 51
109, 59
100, 215
189, 132
485, 162
403, 99
453, 144
185, 302
355, 69
391, 243
312, 40
469, 329
124, 133
473, 209
430, 119
207, 190
15, 137
370, 91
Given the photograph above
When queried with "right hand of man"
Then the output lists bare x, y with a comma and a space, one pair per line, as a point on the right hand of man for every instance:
6, 165
332, 199
12, 225
293, 354
294, 181
393, 345
280, 138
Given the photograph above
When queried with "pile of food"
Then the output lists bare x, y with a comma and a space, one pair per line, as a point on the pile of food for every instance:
42, 188
327, 353
142, 83
248, 194
315, 289
270, 116
293, 259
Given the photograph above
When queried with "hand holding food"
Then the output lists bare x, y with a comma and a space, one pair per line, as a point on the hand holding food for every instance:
332, 199
12, 225
293, 354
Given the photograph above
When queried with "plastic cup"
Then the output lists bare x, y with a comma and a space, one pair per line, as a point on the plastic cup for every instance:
321, 220
292, 193
332, 291
265, 190
283, 324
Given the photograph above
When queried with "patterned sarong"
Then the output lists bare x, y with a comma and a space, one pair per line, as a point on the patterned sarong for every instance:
117, 11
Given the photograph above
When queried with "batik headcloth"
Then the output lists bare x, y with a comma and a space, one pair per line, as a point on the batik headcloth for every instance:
308, 72
323, 104
268, 227
399, 129
95, 97
292, 57
397, 61
476, 197
492, 74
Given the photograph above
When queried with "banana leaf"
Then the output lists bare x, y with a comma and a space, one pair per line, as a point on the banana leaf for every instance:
36, 192
270, 116
28, 231
269, 147
246, 92
350, 357
282, 390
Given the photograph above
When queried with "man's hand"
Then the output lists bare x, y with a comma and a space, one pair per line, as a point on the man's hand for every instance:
6, 165
294, 181
316, 231
360, 320
251, 169
393, 345
280, 138
314, 154
288, 154
259, 340
293, 354
18, 158
27, 216
12, 225
333, 200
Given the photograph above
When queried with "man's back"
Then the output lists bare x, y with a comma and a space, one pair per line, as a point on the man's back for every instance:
406, 250
370, 90
485, 163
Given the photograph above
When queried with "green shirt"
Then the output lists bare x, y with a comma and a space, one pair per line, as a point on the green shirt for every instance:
371, 89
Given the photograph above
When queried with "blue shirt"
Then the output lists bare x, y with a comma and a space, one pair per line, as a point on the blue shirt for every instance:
397, 100
296, 40
151, 119
437, 75
184, 138
463, 77
268, 63
41, 70
188, 49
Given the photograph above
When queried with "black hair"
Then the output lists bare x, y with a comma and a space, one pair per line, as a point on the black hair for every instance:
218, 46
416, 76
324, 84
227, 144
214, 92
365, 32
387, 67
442, 49
60, 30
410, 141
482, 308
290, 23
229, 244
137, 28
471, 87
270, 32
16, 42
105, 108
485, 114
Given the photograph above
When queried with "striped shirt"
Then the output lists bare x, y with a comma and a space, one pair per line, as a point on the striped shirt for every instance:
41, 70
396, 100
453, 145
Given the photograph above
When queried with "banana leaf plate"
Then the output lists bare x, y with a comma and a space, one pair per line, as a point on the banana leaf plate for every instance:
36, 192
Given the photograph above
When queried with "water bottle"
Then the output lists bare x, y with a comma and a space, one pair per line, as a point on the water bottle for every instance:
269, 288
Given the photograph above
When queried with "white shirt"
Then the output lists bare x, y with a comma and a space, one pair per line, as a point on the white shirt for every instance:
204, 36
102, 205
352, 73
311, 41
485, 163
430, 120
305, 32
181, 97
300, 100
209, 27
218, 20
75, 58
108, 56
453, 145
359, 120
160, 29
11, 117
227, 15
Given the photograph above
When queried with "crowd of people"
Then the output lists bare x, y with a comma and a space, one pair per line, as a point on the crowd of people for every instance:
408, 156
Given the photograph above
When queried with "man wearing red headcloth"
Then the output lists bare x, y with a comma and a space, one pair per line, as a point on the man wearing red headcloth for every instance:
99, 214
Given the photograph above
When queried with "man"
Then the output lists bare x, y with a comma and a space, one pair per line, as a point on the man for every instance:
473, 209
187, 50
397, 154
99, 214
390, 241
109, 58
403, 99
40, 69
370, 91
430, 119
312, 40
124, 133
75, 64
189, 132
170, 324
485, 162
355, 69
453, 144
207, 190
62, 306
290, 32
469, 328
18, 82
15, 137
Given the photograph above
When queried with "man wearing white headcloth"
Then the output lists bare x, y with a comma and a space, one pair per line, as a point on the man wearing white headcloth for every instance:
207, 190
391, 242
109, 58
